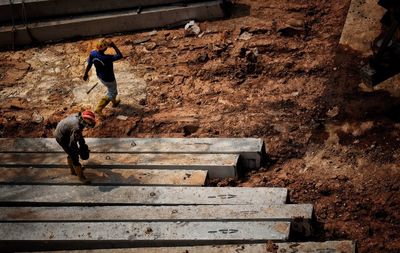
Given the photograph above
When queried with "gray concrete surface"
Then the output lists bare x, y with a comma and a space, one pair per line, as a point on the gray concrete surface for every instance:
250, 149
141, 195
53, 8
113, 22
62, 176
146, 232
217, 165
291, 212
298, 247
362, 26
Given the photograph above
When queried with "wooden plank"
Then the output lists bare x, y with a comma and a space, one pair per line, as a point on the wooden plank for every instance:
111, 22
250, 149
148, 233
298, 247
141, 195
362, 26
103, 176
217, 165
293, 212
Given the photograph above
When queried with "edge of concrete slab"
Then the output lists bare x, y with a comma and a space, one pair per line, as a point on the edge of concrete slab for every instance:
284, 212
108, 23
50, 8
217, 165
270, 247
139, 195
251, 150
362, 26
62, 176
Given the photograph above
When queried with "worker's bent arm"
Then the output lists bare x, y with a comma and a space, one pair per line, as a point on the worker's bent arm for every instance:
88, 67
119, 54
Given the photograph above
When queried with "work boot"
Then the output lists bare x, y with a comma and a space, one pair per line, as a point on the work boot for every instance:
115, 102
103, 103
79, 171
71, 166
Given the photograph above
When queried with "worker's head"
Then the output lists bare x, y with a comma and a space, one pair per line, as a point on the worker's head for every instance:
101, 45
89, 118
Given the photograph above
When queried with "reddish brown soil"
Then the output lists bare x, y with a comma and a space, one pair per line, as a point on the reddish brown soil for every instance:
328, 142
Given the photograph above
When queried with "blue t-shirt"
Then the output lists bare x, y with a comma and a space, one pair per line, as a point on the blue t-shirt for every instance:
103, 64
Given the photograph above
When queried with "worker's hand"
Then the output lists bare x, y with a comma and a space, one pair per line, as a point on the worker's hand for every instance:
85, 77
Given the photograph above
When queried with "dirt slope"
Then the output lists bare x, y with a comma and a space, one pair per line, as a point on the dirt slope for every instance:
274, 71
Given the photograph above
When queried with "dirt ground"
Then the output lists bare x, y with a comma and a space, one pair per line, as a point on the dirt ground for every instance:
272, 70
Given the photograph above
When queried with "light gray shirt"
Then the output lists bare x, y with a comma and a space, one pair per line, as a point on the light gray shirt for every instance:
69, 130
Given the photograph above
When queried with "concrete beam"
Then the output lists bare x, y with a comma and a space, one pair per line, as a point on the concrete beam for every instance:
142, 233
293, 213
103, 176
106, 23
299, 247
217, 165
362, 26
250, 149
141, 195
53, 8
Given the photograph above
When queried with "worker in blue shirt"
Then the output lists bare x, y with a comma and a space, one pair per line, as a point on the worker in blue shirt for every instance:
105, 72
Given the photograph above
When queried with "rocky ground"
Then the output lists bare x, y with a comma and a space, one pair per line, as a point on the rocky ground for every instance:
272, 70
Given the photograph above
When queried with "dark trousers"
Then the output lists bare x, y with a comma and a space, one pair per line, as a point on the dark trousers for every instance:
71, 150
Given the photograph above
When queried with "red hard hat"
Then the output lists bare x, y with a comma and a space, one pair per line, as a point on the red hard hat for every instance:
89, 117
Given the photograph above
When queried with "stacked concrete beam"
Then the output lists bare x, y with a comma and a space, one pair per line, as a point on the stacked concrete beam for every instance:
62, 176
140, 195
294, 213
48, 214
54, 8
109, 22
84, 235
39, 209
221, 157
217, 165
300, 247
249, 149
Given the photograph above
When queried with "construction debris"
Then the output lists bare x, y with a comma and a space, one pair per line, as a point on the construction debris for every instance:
192, 29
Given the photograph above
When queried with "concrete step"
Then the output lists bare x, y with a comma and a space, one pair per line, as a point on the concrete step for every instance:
100, 234
292, 212
111, 22
51, 8
362, 26
140, 195
250, 149
62, 176
299, 215
299, 247
217, 165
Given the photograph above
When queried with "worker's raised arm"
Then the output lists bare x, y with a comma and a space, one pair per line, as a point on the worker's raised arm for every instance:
119, 54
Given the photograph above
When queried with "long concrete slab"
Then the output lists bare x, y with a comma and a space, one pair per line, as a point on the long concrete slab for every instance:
140, 195
291, 212
53, 8
103, 176
143, 233
362, 26
250, 149
112, 22
217, 165
298, 247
